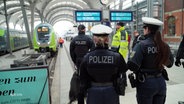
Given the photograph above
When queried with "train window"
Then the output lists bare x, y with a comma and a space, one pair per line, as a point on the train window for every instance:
43, 32
43, 29
39, 30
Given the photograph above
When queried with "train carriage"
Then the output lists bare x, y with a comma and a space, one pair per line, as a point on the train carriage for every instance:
18, 40
45, 39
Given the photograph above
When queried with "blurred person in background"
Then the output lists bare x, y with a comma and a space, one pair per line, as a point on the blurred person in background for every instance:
180, 54
61, 41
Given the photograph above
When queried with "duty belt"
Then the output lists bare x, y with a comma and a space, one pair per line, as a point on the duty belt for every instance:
102, 84
143, 76
153, 75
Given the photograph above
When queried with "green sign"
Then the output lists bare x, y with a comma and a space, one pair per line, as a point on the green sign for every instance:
24, 86
1, 32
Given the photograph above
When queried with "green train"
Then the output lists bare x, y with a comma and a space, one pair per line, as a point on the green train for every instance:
45, 39
18, 40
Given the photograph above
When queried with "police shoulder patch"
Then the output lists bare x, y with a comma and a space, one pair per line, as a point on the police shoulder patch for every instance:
132, 54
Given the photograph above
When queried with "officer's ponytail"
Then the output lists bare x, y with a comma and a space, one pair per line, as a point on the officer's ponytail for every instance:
163, 50
101, 41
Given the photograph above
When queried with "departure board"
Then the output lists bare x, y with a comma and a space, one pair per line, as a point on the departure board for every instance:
126, 16
88, 16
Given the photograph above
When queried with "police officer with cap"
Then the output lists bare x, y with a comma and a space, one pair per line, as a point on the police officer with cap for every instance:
147, 60
79, 46
99, 70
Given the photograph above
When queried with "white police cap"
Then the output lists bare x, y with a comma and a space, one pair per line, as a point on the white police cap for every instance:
151, 21
101, 30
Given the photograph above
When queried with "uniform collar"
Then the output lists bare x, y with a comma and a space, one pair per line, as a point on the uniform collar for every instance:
99, 47
122, 28
148, 36
81, 33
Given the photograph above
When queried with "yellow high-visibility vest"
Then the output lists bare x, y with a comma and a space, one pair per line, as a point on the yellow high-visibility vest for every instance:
120, 40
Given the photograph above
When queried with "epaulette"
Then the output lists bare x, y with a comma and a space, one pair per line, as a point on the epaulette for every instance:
91, 50
112, 50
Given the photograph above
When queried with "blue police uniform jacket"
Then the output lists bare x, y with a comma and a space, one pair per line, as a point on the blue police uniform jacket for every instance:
101, 65
79, 46
144, 54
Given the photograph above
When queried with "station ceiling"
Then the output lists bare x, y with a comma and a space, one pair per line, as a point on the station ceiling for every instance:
51, 11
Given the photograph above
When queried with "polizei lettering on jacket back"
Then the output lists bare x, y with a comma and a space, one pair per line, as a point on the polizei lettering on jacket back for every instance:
152, 50
101, 59
80, 42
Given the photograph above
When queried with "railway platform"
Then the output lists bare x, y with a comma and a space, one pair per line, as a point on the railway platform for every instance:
64, 69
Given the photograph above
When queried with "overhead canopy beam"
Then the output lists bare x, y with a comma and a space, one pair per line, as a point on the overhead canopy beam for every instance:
2, 22
22, 24
20, 20
63, 19
26, 23
53, 10
45, 5
60, 13
14, 9
77, 3
41, 16
61, 16
13, 5
7, 24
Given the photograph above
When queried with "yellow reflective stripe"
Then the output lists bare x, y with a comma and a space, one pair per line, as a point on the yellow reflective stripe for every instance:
116, 41
123, 47
126, 36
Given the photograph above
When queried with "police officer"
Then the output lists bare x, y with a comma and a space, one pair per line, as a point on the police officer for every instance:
180, 54
99, 70
80, 45
120, 40
147, 60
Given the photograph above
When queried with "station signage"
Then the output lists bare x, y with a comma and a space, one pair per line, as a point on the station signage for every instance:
24, 86
88, 16
125, 16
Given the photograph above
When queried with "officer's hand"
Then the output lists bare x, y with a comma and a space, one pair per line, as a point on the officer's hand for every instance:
177, 62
